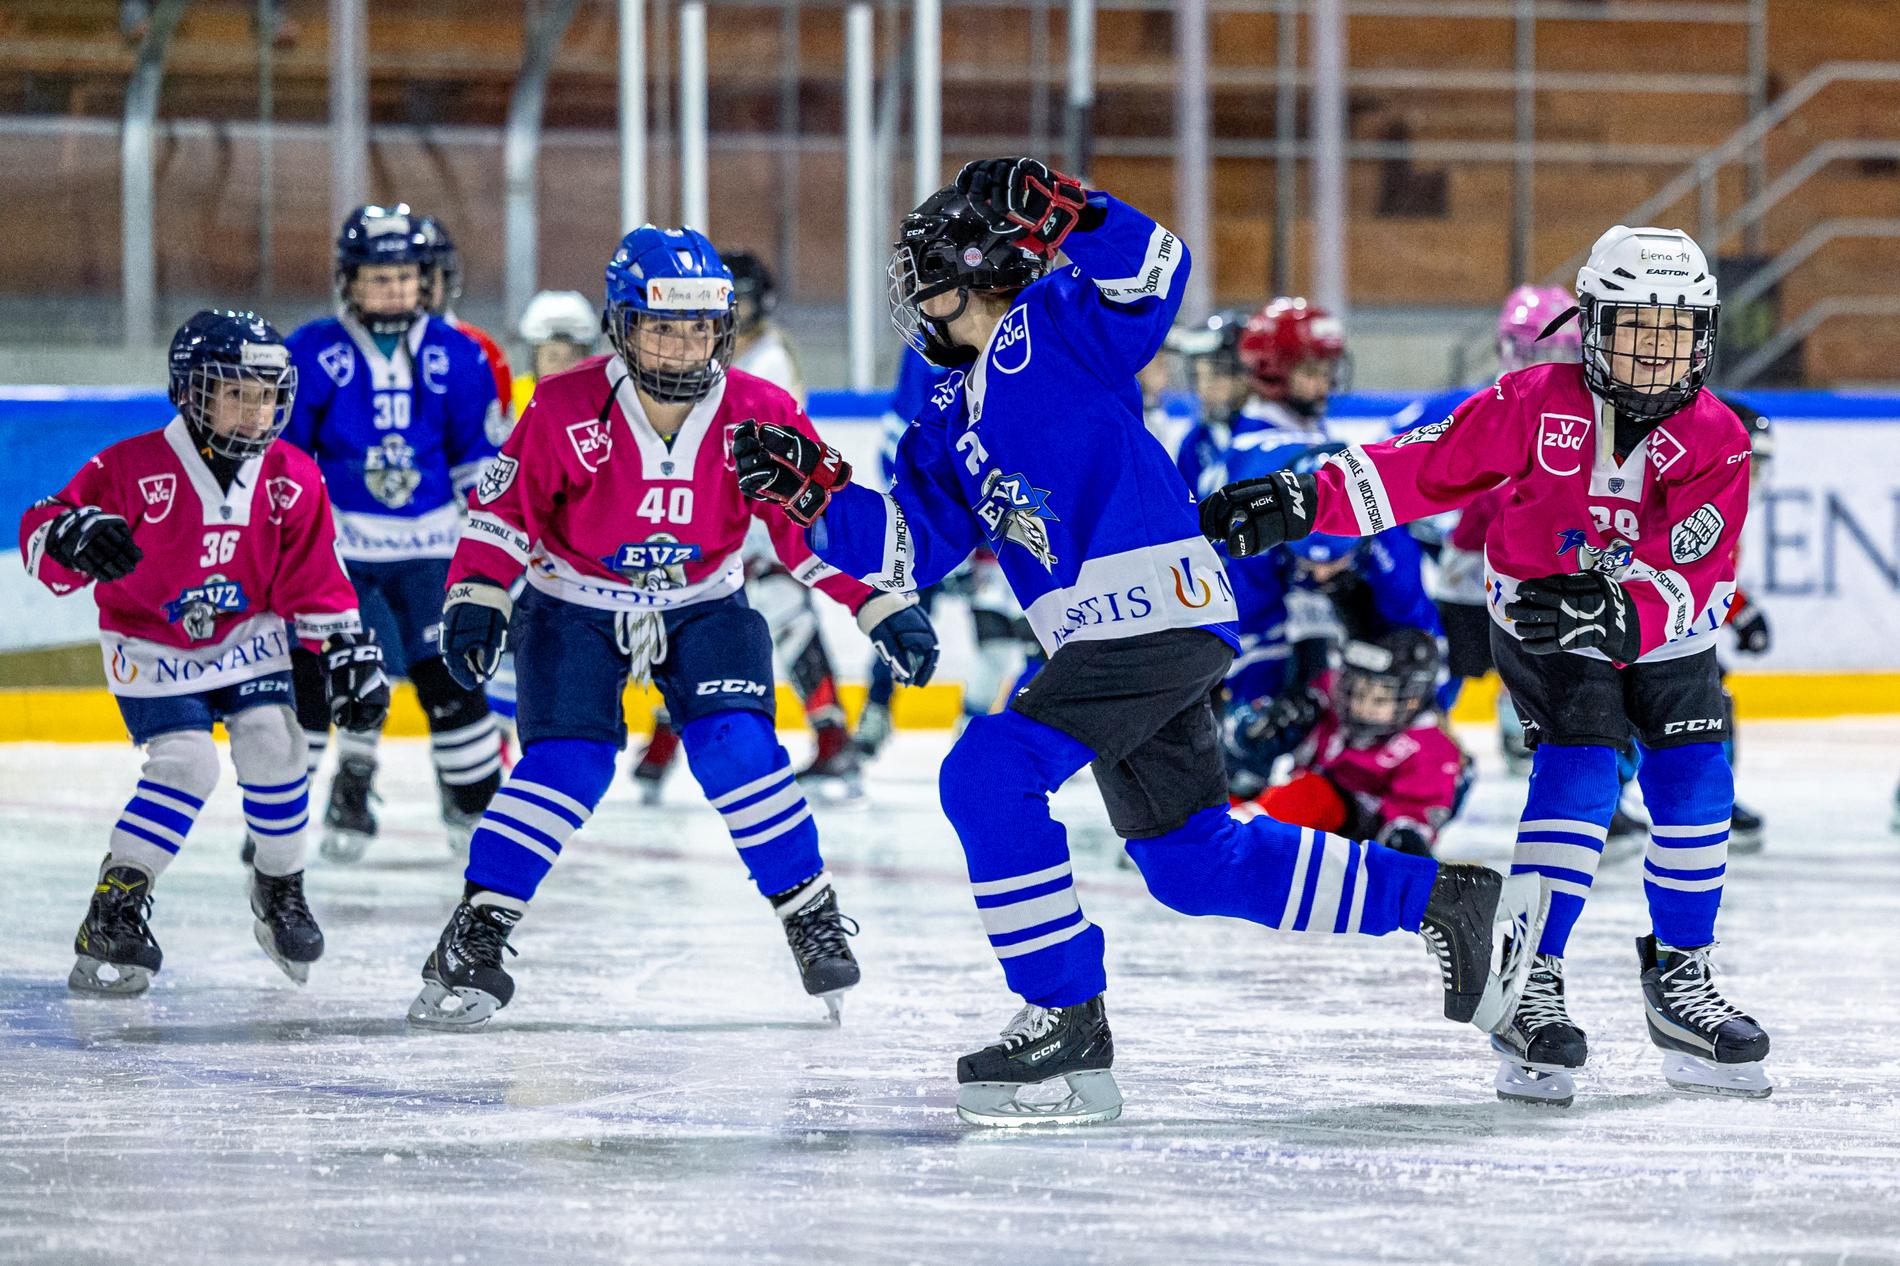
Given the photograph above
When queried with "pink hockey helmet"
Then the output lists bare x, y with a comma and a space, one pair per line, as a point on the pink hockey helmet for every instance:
1527, 310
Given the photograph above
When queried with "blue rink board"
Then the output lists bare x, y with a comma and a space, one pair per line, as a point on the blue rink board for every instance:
48, 432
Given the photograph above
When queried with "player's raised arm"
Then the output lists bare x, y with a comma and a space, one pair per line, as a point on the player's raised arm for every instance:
74, 537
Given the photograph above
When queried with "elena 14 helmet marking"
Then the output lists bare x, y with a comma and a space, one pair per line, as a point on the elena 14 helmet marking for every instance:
232, 382
1649, 312
669, 312
948, 244
372, 236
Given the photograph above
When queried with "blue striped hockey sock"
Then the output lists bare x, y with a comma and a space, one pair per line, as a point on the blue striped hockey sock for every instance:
747, 776
1690, 794
153, 825
549, 795
1573, 793
276, 816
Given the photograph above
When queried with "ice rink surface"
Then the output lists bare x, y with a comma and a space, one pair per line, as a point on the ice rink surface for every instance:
662, 1091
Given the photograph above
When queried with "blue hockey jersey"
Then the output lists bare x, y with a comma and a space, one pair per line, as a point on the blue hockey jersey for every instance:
1040, 449
399, 438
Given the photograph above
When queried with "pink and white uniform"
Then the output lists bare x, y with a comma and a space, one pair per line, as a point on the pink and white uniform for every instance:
1411, 776
603, 512
228, 578
1664, 519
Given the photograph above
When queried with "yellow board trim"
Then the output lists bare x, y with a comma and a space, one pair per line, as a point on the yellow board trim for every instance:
1758, 696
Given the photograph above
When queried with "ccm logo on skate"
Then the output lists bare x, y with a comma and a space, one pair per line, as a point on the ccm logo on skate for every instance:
730, 686
1702, 725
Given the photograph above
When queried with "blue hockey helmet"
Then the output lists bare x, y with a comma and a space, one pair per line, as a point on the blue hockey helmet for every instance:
673, 283
374, 235
233, 381
442, 267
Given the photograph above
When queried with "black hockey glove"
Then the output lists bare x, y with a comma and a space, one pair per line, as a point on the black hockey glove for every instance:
790, 469
1257, 734
1254, 515
1404, 836
354, 680
1751, 631
1579, 611
902, 635
91, 541
1025, 196
474, 630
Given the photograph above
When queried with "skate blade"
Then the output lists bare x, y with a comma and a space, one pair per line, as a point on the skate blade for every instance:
1696, 1076
1523, 906
343, 847
834, 1007
1535, 1084
1090, 1097
87, 976
834, 792
298, 972
1749, 842
472, 1008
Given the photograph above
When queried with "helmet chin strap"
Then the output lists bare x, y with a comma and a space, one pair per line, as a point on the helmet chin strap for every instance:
939, 348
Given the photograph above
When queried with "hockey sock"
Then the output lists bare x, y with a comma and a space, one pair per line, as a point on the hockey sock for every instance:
747, 776
464, 738
995, 785
549, 795
267, 747
1690, 794
358, 744
1293, 878
817, 685
181, 768
1573, 793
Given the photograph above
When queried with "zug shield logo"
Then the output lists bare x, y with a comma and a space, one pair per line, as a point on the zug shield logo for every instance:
158, 491
199, 607
659, 562
1014, 510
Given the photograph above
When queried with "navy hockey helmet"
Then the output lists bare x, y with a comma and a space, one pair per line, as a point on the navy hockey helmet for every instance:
669, 312
947, 244
372, 236
441, 266
754, 290
232, 381
1384, 683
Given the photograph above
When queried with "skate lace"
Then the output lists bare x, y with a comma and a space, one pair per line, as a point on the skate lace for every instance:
1440, 947
287, 902
125, 915
1689, 988
1030, 1024
1542, 1002
483, 941
818, 931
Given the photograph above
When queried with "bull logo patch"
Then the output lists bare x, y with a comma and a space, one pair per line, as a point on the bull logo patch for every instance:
199, 607
389, 472
1613, 560
1013, 510
496, 478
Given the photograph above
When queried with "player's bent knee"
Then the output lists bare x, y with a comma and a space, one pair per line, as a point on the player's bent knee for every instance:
1698, 769
1177, 875
183, 759
731, 748
267, 745
581, 768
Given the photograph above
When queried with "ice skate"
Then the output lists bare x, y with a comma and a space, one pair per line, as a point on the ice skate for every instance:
1746, 831
1064, 1050
116, 952
834, 776
649, 772
460, 823
247, 853
349, 826
816, 931
1473, 911
1541, 1045
1709, 1046
463, 981
874, 728
284, 926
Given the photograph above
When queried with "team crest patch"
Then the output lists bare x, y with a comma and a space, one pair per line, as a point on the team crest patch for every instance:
1010, 352
1013, 510
338, 361
496, 478
1423, 434
1695, 536
159, 491
592, 442
284, 492
1664, 450
497, 424
435, 370
659, 562
199, 607
389, 472
1613, 560
1560, 438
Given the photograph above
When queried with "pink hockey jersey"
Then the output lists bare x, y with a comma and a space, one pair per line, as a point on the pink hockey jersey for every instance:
1663, 520
223, 572
1409, 777
601, 511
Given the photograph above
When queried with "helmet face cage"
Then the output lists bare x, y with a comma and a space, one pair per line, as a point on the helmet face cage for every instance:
910, 288
1373, 704
686, 364
250, 403
1648, 360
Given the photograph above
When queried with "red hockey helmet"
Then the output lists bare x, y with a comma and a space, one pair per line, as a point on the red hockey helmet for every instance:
1287, 333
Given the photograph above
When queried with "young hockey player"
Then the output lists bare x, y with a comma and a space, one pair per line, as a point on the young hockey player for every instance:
1036, 444
215, 564
1609, 566
442, 288
401, 414
1375, 763
561, 329
617, 496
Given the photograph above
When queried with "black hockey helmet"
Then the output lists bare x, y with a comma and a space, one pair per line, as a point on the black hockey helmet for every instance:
947, 244
232, 381
441, 262
754, 290
1384, 683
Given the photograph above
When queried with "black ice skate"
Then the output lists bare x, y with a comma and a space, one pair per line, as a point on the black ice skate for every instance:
1746, 831
285, 928
816, 931
1473, 911
1541, 1045
1709, 1046
117, 954
1069, 1047
348, 825
457, 819
463, 982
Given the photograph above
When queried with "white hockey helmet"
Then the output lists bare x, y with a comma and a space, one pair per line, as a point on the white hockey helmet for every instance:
1655, 284
560, 314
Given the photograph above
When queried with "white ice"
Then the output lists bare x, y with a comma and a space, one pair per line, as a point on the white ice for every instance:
662, 1091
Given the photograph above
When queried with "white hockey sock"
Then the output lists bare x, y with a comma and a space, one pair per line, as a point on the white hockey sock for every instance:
181, 768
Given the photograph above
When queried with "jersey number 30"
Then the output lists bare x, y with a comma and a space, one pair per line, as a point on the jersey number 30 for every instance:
392, 411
